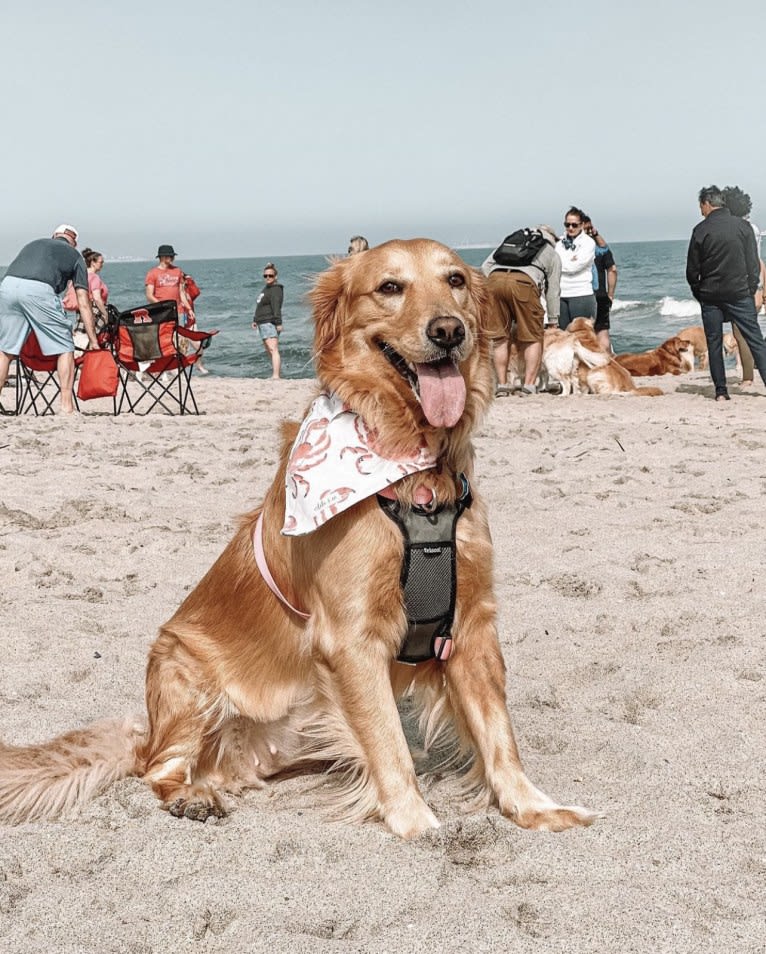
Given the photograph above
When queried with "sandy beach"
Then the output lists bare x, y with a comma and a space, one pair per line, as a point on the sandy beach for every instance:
630, 574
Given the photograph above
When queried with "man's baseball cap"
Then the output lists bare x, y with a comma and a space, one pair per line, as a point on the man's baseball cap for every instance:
60, 229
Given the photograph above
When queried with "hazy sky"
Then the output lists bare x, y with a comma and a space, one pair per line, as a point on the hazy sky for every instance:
247, 128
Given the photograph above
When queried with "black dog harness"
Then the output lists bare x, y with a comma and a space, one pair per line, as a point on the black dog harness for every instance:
428, 577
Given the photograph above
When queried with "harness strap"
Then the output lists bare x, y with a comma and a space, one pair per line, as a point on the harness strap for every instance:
263, 566
429, 573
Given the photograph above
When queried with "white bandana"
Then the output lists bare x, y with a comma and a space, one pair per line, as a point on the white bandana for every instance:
333, 465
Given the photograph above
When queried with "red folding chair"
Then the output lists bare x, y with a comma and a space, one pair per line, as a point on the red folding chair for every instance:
153, 370
37, 383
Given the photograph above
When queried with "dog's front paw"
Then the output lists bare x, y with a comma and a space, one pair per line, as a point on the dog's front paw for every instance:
411, 818
556, 818
198, 806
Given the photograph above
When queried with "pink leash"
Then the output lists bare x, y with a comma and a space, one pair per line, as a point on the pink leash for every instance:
263, 566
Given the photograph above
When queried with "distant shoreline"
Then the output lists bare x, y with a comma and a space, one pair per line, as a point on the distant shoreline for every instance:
130, 260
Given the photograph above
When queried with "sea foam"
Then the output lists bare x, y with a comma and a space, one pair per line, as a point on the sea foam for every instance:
685, 308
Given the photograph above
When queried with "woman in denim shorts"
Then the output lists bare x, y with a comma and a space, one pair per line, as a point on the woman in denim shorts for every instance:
268, 316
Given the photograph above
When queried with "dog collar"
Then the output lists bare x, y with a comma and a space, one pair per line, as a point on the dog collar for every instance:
334, 463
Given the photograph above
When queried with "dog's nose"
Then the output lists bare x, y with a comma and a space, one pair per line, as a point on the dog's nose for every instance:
446, 332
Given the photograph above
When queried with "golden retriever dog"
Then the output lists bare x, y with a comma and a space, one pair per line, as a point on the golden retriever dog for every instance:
239, 687
610, 378
563, 353
668, 358
696, 335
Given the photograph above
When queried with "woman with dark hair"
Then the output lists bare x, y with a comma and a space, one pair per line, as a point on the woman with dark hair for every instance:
577, 252
268, 316
740, 204
97, 291
97, 288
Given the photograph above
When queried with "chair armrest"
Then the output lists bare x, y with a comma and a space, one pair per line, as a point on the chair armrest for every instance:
193, 335
203, 338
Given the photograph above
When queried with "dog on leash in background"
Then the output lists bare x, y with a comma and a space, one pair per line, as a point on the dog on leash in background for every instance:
241, 684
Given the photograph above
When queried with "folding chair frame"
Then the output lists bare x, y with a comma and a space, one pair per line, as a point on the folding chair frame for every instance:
164, 359
31, 393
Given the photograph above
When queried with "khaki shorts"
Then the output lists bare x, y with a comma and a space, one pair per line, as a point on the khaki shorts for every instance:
515, 297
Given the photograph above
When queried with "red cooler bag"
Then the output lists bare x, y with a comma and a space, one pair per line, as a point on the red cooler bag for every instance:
98, 376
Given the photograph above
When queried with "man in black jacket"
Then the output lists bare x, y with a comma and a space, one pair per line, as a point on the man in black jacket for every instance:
723, 272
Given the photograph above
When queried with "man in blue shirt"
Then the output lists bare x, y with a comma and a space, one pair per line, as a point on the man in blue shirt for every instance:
29, 302
604, 283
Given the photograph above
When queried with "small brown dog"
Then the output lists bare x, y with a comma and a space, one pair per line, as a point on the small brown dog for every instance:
240, 686
671, 357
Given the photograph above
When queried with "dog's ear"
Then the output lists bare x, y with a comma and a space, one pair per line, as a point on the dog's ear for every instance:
483, 302
325, 299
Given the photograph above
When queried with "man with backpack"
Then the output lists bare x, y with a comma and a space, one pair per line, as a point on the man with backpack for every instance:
521, 269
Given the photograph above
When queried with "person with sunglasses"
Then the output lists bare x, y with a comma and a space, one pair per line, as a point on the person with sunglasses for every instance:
268, 316
577, 252
29, 301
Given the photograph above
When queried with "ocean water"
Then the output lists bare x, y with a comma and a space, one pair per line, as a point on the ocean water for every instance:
652, 302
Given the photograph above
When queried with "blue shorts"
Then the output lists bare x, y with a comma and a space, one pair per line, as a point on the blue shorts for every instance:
27, 305
267, 330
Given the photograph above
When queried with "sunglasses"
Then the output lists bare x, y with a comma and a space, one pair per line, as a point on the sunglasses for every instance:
269, 275
572, 225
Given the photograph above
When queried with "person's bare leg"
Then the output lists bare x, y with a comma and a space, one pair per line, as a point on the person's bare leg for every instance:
5, 364
272, 346
745, 356
65, 368
500, 359
532, 352
604, 340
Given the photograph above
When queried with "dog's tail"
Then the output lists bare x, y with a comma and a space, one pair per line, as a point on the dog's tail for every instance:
650, 392
593, 359
45, 781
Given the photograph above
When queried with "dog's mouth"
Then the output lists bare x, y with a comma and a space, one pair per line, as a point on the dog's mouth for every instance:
438, 385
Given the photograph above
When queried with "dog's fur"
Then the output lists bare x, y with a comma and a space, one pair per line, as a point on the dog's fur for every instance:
238, 688
563, 353
668, 358
696, 335
610, 378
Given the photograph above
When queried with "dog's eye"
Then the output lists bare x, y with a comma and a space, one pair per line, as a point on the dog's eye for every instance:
390, 288
456, 280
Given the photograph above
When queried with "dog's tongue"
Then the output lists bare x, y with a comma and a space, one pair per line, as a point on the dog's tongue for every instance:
442, 392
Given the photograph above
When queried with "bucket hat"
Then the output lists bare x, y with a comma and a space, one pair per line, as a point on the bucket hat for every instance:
165, 250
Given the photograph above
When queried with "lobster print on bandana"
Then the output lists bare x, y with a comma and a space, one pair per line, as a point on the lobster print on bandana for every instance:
333, 465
